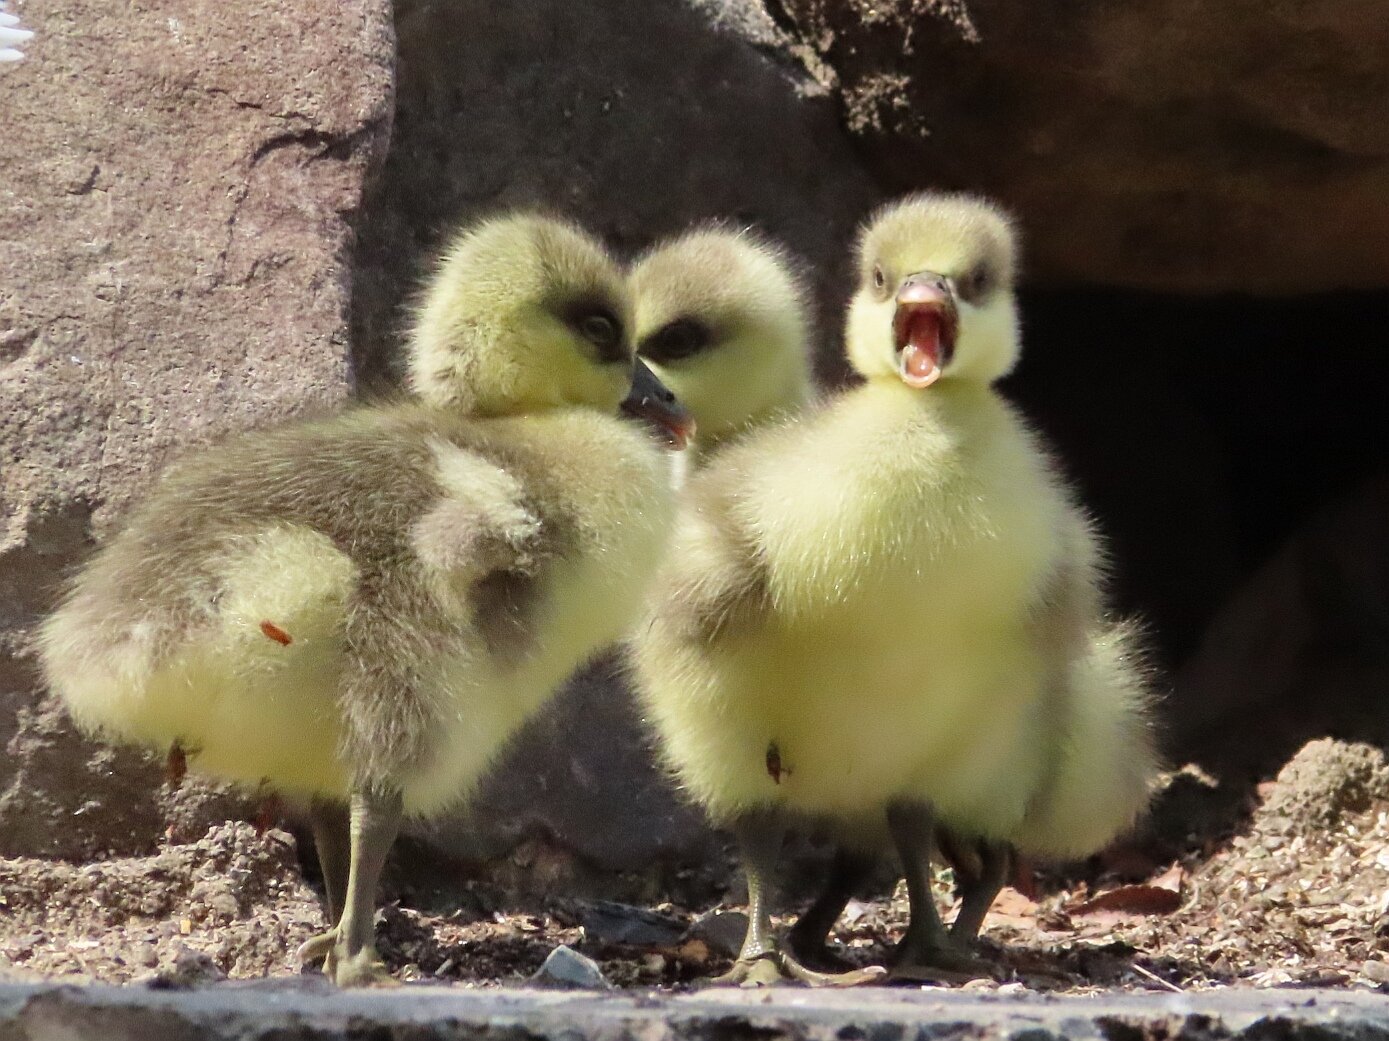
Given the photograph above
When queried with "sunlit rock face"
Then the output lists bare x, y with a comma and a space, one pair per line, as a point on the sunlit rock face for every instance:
174, 217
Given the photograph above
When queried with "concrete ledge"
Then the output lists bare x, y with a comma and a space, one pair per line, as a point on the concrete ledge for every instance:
289, 1010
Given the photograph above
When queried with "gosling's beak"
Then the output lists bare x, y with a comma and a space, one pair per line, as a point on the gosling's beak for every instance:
655, 404
924, 327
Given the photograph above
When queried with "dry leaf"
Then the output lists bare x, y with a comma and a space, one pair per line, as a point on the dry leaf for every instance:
1013, 908
693, 952
1139, 900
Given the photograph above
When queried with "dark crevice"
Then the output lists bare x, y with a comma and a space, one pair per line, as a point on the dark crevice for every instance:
1213, 438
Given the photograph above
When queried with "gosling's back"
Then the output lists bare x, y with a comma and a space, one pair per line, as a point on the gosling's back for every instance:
304, 604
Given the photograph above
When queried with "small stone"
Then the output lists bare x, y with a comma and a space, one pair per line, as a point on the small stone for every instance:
1376, 970
854, 910
566, 967
722, 931
144, 954
191, 969
224, 906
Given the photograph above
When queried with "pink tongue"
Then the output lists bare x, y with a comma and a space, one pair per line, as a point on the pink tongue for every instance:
921, 355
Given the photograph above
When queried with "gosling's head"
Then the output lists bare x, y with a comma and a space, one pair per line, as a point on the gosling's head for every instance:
523, 313
935, 297
720, 317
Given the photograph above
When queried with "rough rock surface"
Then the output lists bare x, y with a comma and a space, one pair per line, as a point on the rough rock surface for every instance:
1324, 784
636, 119
1299, 895
299, 1011
1172, 145
231, 903
578, 797
174, 217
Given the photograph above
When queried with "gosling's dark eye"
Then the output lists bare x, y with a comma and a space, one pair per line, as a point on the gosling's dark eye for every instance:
598, 328
681, 338
976, 284
601, 328
879, 279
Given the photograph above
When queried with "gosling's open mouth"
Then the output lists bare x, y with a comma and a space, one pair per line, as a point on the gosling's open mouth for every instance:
924, 328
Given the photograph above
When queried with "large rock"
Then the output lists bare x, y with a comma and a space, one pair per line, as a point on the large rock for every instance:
174, 216
1301, 649
636, 119
1170, 145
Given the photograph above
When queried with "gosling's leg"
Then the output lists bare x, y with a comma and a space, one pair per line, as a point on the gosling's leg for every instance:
808, 940
349, 948
332, 839
759, 837
760, 963
977, 891
926, 952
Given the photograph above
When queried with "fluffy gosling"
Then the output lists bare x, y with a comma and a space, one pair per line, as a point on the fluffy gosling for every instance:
360, 610
886, 615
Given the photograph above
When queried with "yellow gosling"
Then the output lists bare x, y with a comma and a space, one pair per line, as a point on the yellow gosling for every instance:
886, 615
360, 610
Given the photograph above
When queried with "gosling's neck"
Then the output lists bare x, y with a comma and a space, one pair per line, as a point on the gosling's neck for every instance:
962, 411
946, 396
708, 444
791, 397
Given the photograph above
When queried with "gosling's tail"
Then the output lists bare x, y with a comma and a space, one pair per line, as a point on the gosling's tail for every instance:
1106, 752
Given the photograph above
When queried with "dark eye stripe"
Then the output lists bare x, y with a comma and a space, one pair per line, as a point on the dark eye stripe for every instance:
681, 338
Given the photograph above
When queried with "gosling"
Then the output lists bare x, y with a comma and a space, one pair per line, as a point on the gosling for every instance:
721, 319
360, 610
886, 615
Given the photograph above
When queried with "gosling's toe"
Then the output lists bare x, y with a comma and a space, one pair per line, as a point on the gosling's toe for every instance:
946, 964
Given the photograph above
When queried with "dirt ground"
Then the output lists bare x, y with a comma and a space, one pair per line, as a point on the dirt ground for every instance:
1297, 894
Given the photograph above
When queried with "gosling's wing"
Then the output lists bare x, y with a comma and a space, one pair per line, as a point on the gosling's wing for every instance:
482, 520
714, 581
347, 484
1106, 758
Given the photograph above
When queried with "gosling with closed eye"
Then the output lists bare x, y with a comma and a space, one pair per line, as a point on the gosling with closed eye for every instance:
721, 320
886, 616
361, 609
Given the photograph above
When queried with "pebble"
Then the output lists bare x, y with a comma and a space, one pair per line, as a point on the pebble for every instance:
144, 954
1376, 970
566, 967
